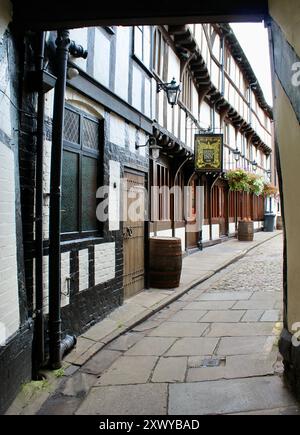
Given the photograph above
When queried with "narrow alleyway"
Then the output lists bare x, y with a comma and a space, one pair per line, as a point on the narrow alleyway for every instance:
214, 351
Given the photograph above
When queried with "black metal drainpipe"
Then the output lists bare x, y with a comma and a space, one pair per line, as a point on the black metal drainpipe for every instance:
38, 360
62, 52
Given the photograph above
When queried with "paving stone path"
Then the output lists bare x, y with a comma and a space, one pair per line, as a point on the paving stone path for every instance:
214, 351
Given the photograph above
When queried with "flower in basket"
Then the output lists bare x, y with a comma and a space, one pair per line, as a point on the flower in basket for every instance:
238, 180
270, 190
256, 184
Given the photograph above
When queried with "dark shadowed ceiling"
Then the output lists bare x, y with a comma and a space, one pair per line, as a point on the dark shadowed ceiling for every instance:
53, 14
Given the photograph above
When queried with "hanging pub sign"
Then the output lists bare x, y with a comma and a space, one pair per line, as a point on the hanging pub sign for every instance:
209, 152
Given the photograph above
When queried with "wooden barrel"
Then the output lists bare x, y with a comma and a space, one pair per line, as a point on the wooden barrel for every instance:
279, 223
245, 231
165, 262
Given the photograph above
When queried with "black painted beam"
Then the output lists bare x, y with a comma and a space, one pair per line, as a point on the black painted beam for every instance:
54, 14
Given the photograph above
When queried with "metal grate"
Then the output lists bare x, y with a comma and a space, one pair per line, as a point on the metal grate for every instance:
71, 126
90, 134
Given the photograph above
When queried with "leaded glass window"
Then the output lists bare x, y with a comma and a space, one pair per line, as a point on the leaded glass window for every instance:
80, 173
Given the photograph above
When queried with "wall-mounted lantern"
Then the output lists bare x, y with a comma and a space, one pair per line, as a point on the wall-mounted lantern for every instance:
172, 90
155, 149
237, 154
254, 165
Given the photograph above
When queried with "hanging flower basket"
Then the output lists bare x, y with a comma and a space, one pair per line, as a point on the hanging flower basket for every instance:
270, 190
238, 180
256, 184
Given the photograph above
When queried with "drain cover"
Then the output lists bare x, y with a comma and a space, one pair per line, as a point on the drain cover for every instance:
209, 362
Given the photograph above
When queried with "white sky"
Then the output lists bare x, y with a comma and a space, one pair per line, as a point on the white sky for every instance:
253, 38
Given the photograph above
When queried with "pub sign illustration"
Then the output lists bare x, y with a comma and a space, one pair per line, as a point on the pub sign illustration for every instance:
209, 152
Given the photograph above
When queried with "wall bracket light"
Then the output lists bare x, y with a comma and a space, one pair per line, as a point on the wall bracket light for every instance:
172, 90
152, 146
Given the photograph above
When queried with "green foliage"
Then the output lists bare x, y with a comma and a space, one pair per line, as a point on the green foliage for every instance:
242, 181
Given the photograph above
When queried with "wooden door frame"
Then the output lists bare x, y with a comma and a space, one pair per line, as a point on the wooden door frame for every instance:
146, 176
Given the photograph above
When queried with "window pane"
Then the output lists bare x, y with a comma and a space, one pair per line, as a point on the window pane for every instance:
89, 188
138, 42
69, 201
71, 126
147, 46
90, 134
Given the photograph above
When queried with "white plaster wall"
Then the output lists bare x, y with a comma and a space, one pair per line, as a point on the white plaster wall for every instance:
122, 61
65, 275
173, 66
232, 228
142, 139
205, 115
83, 256
205, 233
102, 58
147, 97
161, 108
83, 103
114, 196
182, 125
153, 96
164, 233
5, 15
104, 262
180, 233
80, 36
176, 123
117, 130
9, 299
137, 76
215, 231
195, 102
131, 135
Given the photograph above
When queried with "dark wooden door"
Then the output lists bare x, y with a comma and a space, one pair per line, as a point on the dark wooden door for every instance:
223, 210
134, 235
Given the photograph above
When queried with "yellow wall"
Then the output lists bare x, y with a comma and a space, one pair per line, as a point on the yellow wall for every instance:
287, 14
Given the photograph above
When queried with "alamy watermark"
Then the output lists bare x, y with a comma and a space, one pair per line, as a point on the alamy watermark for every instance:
296, 336
296, 74
126, 202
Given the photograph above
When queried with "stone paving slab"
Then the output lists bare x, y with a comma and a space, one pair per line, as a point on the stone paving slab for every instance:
155, 346
225, 296
252, 315
228, 396
187, 316
254, 305
182, 329
289, 410
193, 347
145, 399
209, 305
83, 357
228, 316
125, 341
100, 362
240, 329
101, 329
271, 316
170, 370
82, 345
129, 370
237, 366
241, 345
